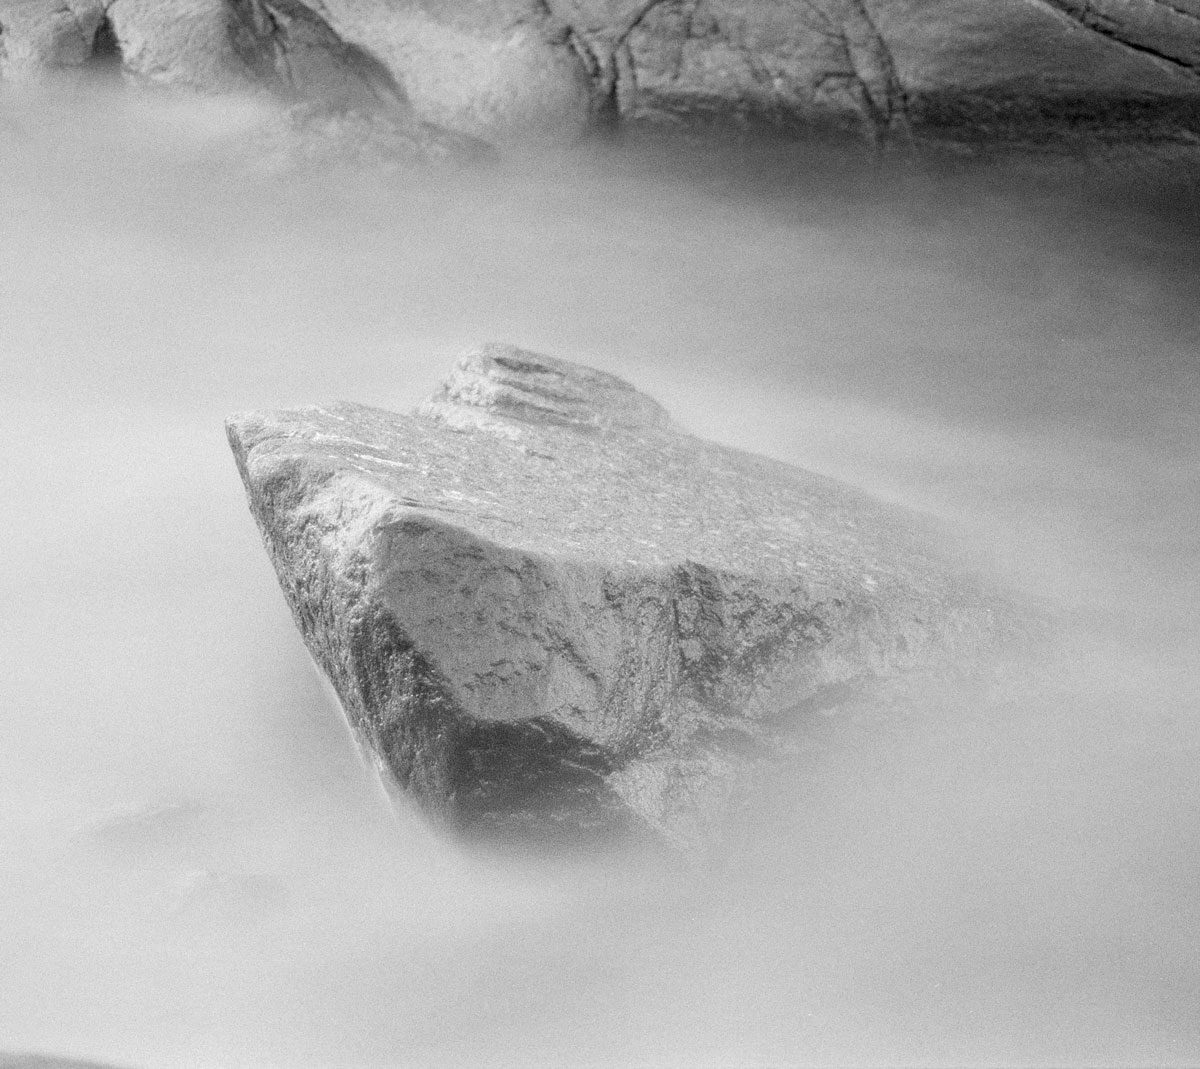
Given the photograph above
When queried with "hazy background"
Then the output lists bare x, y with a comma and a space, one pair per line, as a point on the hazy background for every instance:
195, 870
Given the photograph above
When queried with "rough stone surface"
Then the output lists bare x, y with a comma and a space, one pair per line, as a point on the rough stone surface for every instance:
325, 95
37, 37
484, 65
500, 72
499, 80
547, 70
280, 45
550, 613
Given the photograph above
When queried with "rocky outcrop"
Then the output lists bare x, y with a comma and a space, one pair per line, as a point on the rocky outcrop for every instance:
550, 613
502, 81
38, 37
498, 71
508, 71
280, 45
547, 69
885, 66
325, 97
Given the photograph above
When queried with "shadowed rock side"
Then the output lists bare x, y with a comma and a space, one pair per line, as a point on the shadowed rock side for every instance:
552, 615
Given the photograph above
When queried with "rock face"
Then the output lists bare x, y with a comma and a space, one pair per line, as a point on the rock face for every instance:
497, 80
888, 64
498, 71
280, 45
547, 70
331, 94
549, 613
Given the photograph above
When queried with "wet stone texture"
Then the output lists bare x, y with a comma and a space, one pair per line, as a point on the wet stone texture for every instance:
550, 615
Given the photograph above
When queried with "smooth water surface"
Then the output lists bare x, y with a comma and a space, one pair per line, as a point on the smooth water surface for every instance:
195, 869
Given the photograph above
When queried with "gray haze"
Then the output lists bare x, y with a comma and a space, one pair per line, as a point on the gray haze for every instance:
195, 870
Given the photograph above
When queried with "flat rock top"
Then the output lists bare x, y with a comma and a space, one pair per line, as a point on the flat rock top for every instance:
551, 457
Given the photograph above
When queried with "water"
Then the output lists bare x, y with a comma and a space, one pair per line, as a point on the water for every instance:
195, 870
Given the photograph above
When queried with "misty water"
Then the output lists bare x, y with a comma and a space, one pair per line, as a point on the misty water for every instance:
196, 870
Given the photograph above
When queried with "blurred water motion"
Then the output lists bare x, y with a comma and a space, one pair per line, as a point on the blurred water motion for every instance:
195, 869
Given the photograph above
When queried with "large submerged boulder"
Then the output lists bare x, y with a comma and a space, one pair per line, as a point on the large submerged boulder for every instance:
550, 613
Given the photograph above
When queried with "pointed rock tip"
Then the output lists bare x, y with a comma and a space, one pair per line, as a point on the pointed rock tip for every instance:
502, 383
238, 428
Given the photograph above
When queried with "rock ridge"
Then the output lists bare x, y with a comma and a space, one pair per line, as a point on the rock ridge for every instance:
549, 71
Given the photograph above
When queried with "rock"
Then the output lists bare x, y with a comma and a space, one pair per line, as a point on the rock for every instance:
213, 45
37, 36
506, 71
492, 68
886, 66
501, 72
327, 100
279, 45
551, 615
500, 80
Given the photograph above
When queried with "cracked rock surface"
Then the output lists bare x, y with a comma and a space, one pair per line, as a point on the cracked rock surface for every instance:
551, 615
318, 93
547, 71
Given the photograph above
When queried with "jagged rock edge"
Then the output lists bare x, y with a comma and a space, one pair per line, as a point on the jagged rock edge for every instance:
402, 712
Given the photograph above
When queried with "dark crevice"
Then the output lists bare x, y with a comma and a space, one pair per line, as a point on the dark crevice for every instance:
293, 45
106, 48
532, 780
526, 784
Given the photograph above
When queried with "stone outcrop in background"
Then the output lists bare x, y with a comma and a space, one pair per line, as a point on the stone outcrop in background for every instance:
548, 70
279, 45
883, 64
550, 614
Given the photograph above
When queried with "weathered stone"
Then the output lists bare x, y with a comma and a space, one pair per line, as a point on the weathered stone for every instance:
326, 98
883, 66
501, 72
215, 45
37, 37
508, 71
548, 612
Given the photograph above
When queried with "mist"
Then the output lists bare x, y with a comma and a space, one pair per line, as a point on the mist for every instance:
195, 867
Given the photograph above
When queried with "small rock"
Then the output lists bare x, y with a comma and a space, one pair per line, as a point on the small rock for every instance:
148, 833
47, 1061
